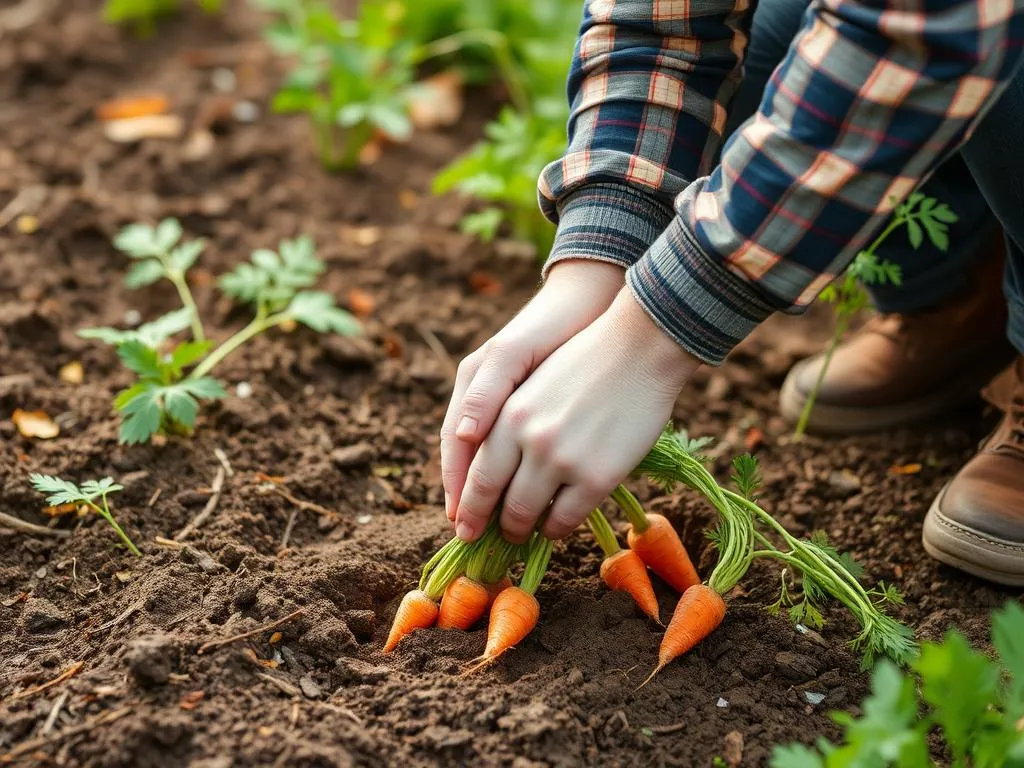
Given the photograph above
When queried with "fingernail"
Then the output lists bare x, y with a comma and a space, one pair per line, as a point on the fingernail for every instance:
464, 531
467, 427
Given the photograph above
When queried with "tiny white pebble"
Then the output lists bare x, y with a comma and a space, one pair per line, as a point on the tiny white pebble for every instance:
245, 112
308, 390
132, 317
814, 698
224, 80
801, 629
721, 703
364, 519
41, 573
243, 389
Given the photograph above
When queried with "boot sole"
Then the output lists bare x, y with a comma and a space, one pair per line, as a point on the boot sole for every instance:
979, 554
838, 420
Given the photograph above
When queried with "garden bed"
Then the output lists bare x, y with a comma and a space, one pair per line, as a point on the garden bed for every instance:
347, 429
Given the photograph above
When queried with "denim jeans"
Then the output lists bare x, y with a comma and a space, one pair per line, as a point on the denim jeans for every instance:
983, 184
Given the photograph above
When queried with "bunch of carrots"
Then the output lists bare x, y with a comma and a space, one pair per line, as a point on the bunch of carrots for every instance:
462, 581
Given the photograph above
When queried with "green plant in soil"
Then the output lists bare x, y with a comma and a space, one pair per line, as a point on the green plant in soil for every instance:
352, 79
956, 697
59, 492
921, 215
746, 532
173, 378
142, 14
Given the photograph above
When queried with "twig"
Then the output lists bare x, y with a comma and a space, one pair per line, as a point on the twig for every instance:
211, 504
341, 711
294, 719
663, 729
288, 528
438, 349
307, 506
65, 675
169, 543
28, 747
154, 497
282, 685
223, 459
26, 527
51, 719
123, 616
251, 633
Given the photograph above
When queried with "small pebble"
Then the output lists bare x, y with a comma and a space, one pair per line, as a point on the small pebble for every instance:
245, 112
243, 389
132, 318
814, 698
721, 703
224, 80
364, 519
41, 573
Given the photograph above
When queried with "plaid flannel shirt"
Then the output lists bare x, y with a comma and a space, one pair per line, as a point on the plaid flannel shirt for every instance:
871, 96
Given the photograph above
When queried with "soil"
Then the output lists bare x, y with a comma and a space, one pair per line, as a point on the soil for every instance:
350, 426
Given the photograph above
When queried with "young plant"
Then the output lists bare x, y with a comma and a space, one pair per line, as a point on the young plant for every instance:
921, 215
352, 79
144, 13
971, 704
166, 395
65, 492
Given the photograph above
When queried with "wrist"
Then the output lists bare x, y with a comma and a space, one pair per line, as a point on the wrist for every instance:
645, 341
600, 275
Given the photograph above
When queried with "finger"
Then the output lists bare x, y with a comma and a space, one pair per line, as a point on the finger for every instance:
528, 495
493, 466
570, 508
502, 370
456, 455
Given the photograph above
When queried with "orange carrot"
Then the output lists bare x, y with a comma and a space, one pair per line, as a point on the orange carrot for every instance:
625, 571
659, 546
495, 589
699, 612
416, 611
513, 616
464, 602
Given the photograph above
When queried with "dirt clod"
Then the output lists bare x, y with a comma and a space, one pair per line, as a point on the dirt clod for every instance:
356, 455
796, 666
150, 658
41, 617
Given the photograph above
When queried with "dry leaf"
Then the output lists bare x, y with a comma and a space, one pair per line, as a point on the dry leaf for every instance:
123, 576
371, 152
133, 106
275, 638
27, 224
72, 373
904, 469
136, 129
364, 236
408, 199
437, 102
754, 439
191, 699
486, 284
263, 477
60, 510
361, 303
35, 424
393, 347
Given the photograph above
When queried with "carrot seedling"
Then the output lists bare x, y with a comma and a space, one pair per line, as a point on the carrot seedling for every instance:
622, 569
59, 491
166, 395
848, 295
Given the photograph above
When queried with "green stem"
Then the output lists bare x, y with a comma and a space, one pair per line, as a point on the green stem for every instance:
437, 557
536, 564
259, 324
842, 323
178, 279
451, 566
603, 533
104, 512
631, 508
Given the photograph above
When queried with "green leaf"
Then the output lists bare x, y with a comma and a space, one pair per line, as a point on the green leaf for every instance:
944, 214
188, 352
168, 233
144, 273
1008, 639
245, 282
272, 279
483, 224
294, 99
915, 233
206, 388
937, 233
137, 240
58, 490
264, 258
392, 119
807, 614
317, 310
141, 415
746, 475
352, 114
186, 254
151, 334
180, 405
140, 358
94, 488
959, 683
796, 756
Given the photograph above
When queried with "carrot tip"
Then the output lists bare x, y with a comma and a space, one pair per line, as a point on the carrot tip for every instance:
650, 677
481, 663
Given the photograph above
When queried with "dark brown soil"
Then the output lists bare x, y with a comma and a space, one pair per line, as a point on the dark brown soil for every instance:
323, 694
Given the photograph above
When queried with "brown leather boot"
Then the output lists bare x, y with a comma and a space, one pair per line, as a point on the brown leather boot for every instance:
977, 522
900, 369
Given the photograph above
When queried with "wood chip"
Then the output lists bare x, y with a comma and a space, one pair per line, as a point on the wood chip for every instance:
135, 129
361, 303
35, 424
191, 699
905, 469
72, 373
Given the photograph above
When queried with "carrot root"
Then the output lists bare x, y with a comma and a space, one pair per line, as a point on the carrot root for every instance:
660, 547
698, 613
416, 611
463, 603
626, 572
513, 616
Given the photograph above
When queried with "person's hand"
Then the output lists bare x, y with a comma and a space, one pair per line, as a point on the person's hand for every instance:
577, 426
575, 293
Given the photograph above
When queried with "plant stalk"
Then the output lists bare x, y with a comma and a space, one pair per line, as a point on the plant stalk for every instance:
104, 512
603, 533
258, 325
178, 279
842, 324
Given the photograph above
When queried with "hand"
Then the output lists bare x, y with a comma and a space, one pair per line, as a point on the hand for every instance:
577, 427
575, 293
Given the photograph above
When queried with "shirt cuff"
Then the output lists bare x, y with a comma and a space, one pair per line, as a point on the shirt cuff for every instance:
607, 222
693, 298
